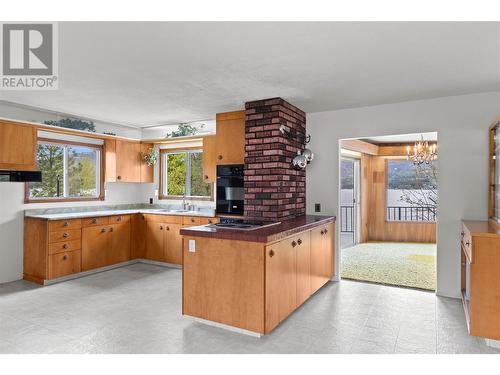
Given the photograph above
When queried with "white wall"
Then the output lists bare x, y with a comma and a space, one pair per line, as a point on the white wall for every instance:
462, 124
12, 196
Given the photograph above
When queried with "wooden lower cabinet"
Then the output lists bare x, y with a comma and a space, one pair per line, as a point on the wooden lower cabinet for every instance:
105, 245
322, 256
226, 280
173, 244
59, 248
480, 277
119, 247
281, 282
64, 264
95, 244
155, 241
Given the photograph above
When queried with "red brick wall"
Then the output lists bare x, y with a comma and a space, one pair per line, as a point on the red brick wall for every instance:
274, 190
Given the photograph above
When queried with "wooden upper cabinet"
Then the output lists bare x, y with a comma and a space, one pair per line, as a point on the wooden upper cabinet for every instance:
110, 160
230, 137
17, 147
128, 161
209, 158
124, 161
146, 171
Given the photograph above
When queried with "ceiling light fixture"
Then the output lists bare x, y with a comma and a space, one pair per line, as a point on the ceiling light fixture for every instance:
423, 152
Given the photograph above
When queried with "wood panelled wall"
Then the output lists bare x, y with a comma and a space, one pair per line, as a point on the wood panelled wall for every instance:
374, 225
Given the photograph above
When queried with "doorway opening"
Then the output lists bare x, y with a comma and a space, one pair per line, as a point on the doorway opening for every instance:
388, 210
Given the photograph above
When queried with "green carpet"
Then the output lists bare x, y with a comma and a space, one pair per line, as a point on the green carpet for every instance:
405, 264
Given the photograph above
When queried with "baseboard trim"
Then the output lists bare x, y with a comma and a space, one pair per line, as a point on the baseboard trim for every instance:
225, 326
108, 268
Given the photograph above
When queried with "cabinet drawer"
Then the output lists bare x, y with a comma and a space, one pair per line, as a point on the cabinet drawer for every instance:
208, 220
466, 241
65, 224
64, 264
65, 235
119, 219
171, 219
61, 247
191, 220
94, 221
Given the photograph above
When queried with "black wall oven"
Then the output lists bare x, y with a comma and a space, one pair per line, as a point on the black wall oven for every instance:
230, 191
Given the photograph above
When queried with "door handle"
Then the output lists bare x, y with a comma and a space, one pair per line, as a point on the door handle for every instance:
294, 243
271, 253
103, 230
65, 224
65, 235
161, 227
111, 229
299, 241
168, 228
94, 221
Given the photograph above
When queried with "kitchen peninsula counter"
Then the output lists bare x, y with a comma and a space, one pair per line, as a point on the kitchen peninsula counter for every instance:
251, 280
266, 234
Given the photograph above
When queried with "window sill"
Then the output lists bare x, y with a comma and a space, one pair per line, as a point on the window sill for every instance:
62, 200
187, 198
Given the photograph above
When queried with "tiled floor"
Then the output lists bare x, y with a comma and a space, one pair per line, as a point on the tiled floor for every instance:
136, 309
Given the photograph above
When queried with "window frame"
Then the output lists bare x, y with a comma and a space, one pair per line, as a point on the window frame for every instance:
101, 175
162, 176
386, 188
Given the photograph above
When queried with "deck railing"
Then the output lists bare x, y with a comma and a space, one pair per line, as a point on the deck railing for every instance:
347, 219
411, 213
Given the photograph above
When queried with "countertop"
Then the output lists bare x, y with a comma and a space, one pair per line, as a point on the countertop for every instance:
266, 235
482, 228
78, 215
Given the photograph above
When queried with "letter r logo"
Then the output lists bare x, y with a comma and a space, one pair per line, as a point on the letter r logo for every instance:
27, 49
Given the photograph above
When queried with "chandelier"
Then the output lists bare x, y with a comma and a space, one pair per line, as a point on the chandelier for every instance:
423, 152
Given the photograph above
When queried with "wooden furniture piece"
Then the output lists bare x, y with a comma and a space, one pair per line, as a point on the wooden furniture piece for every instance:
480, 277
53, 249
124, 161
17, 146
209, 159
230, 137
254, 285
494, 172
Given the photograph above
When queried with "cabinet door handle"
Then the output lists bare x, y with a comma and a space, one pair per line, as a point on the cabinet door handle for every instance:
322, 232
65, 224
161, 227
119, 219
94, 221
65, 246
65, 257
462, 234
299, 241
168, 228
271, 253
65, 235
118, 177
326, 231
209, 221
111, 229
294, 243
103, 230
219, 157
205, 177
467, 243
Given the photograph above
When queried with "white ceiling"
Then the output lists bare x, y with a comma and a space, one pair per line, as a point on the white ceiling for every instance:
402, 138
145, 74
